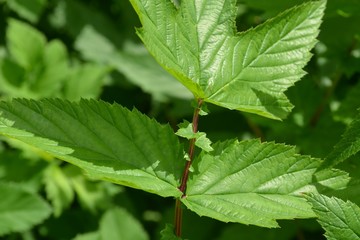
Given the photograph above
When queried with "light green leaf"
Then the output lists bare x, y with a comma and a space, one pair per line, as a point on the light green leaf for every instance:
134, 62
88, 236
332, 178
203, 142
92, 195
168, 233
186, 131
29, 10
119, 224
341, 220
197, 43
33, 68
20, 210
58, 189
108, 141
29, 52
251, 183
85, 81
54, 71
347, 146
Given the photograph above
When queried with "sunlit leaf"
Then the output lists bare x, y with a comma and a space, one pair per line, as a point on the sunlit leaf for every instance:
108, 141
341, 220
252, 183
197, 43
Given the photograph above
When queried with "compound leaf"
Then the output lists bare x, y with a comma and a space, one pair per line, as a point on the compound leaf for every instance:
108, 141
341, 220
252, 183
197, 42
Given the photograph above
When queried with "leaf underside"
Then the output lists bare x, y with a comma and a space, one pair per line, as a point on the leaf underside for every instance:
197, 42
252, 183
341, 220
108, 141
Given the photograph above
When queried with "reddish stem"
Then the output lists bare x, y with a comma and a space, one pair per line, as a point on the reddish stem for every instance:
185, 176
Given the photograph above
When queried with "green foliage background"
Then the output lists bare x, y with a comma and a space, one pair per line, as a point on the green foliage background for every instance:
76, 49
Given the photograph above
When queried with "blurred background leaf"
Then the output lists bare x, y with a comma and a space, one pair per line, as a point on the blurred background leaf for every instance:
88, 49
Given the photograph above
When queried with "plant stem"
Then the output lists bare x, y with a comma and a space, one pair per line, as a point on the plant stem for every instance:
185, 176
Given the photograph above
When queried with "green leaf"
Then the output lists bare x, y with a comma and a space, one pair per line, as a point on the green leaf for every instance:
30, 10
203, 142
134, 62
116, 223
29, 52
92, 195
33, 68
54, 70
85, 81
198, 44
251, 183
88, 236
347, 146
348, 106
30, 175
168, 233
20, 210
341, 220
108, 141
58, 189
186, 131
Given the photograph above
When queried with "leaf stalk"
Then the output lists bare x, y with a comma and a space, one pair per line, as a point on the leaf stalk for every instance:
185, 176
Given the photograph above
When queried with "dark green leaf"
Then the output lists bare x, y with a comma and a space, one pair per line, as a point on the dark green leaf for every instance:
107, 141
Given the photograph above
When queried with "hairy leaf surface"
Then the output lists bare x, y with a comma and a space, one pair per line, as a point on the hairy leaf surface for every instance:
197, 42
107, 141
341, 220
252, 183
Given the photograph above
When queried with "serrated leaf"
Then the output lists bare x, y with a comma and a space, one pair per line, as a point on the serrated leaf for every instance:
203, 142
186, 131
108, 141
251, 183
117, 223
347, 146
20, 210
341, 220
197, 43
